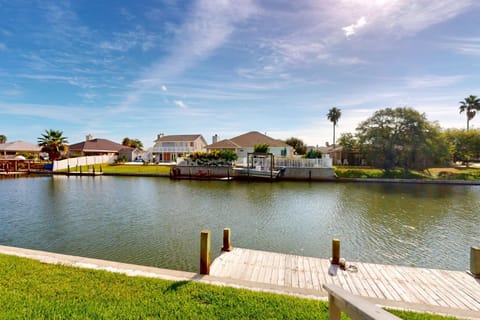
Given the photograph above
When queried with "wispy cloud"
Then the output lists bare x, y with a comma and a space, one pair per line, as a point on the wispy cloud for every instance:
209, 25
180, 103
469, 46
3, 47
352, 29
432, 81
164, 88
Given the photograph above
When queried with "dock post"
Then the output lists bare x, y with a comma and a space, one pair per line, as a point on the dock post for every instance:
227, 245
205, 252
335, 251
475, 261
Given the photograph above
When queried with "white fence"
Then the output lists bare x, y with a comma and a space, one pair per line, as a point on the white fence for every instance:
324, 162
82, 161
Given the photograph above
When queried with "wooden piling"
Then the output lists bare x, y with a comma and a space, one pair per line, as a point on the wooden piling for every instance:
335, 251
205, 252
475, 261
227, 245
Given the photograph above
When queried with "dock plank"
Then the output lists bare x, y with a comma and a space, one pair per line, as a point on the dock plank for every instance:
433, 288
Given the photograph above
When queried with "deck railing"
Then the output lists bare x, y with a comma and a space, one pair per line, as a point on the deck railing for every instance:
354, 306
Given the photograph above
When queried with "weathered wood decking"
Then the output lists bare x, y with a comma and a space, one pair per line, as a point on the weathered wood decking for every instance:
430, 290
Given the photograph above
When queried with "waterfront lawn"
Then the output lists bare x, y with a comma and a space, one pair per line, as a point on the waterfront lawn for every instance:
429, 174
30, 289
130, 169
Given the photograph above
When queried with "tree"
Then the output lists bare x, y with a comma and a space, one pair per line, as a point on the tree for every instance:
334, 115
297, 144
261, 148
465, 145
470, 105
402, 137
53, 142
349, 145
3, 138
133, 143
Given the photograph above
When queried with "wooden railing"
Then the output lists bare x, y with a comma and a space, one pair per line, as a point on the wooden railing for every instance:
354, 306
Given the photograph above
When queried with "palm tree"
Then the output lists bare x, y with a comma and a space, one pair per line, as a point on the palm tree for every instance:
3, 138
334, 115
53, 142
470, 105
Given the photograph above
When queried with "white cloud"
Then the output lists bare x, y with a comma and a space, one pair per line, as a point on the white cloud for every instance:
209, 25
352, 29
470, 46
11, 92
180, 104
3, 47
432, 81
164, 88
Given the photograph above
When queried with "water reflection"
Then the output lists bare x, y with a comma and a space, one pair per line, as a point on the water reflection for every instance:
155, 221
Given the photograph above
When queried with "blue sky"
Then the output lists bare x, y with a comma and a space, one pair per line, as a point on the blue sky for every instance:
118, 69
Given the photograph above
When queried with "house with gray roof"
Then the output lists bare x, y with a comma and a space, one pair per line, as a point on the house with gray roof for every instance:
14, 148
168, 148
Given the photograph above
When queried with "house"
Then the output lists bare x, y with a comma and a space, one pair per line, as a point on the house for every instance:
131, 154
95, 147
14, 148
168, 148
245, 143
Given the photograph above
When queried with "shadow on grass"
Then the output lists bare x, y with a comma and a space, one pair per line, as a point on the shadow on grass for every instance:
175, 286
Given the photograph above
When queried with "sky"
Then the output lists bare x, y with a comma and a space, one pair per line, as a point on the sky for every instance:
117, 69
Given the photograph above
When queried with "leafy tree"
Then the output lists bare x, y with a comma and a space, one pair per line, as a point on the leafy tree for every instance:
349, 145
465, 144
470, 105
133, 143
3, 138
53, 142
261, 148
334, 115
297, 144
313, 154
402, 137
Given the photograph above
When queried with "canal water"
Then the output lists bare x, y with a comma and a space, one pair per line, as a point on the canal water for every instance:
157, 222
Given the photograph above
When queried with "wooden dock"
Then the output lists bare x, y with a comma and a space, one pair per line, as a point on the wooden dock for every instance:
454, 293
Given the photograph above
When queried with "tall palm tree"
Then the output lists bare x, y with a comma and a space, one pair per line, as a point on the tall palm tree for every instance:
53, 142
470, 105
334, 115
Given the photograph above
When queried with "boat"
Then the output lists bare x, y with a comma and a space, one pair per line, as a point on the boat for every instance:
257, 172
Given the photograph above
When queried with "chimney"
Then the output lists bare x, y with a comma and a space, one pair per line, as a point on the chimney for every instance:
159, 136
89, 137
215, 138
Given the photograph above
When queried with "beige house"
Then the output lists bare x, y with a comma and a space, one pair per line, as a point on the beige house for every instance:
245, 143
12, 149
168, 148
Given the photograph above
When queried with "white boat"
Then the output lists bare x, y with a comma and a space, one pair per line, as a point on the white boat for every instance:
256, 173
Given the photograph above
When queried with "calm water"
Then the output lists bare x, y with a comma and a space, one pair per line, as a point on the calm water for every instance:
155, 221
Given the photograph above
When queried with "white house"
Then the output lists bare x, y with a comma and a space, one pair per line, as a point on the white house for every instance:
169, 148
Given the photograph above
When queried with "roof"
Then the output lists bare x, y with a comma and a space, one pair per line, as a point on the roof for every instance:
179, 137
248, 140
96, 145
19, 146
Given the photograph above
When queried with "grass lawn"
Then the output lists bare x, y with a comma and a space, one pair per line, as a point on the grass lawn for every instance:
133, 169
429, 174
33, 290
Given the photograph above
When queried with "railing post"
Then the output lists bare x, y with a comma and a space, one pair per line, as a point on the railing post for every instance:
334, 311
335, 251
227, 245
205, 252
475, 261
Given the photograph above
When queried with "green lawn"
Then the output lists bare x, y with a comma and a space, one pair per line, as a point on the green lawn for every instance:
139, 169
33, 290
430, 174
